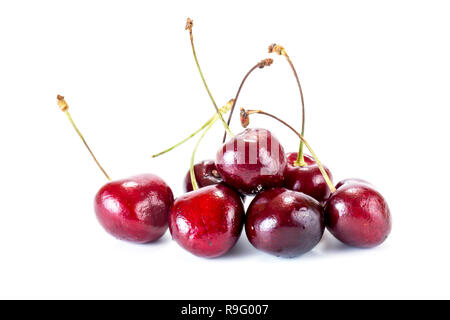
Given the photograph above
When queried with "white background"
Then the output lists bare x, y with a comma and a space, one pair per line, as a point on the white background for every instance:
376, 77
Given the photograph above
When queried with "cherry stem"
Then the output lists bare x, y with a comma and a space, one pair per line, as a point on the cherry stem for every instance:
185, 139
246, 113
65, 108
222, 110
281, 51
260, 65
191, 170
189, 25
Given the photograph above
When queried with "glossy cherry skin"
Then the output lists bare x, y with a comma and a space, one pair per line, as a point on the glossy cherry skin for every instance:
284, 223
307, 179
252, 161
206, 174
207, 222
134, 209
358, 215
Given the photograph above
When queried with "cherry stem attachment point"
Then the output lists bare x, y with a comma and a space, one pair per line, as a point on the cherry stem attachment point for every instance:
189, 25
65, 108
222, 110
246, 120
275, 48
263, 63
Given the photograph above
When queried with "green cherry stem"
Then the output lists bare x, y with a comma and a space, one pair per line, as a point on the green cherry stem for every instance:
189, 25
191, 170
65, 108
222, 110
245, 116
184, 140
282, 52
260, 65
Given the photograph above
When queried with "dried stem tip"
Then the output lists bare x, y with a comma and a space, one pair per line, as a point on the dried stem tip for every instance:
189, 24
62, 104
276, 48
265, 63
245, 119
245, 116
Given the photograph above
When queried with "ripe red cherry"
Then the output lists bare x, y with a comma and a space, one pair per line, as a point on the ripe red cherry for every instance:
134, 209
284, 223
307, 179
252, 161
206, 174
207, 222
358, 215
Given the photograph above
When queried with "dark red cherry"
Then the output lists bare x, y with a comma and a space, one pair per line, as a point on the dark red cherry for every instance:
206, 174
134, 209
284, 223
306, 179
252, 161
358, 215
207, 222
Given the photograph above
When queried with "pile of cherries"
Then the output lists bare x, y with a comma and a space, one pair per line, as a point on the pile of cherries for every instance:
293, 195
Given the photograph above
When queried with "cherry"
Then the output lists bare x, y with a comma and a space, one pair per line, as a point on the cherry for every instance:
206, 174
207, 222
252, 161
357, 214
307, 179
284, 223
134, 209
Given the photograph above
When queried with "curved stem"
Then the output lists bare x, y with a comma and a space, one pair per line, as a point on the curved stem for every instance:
185, 139
281, 51
189, 26
260, 65
319, 164
236, 97
300, 159
191, 170
65, 108
222, 110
